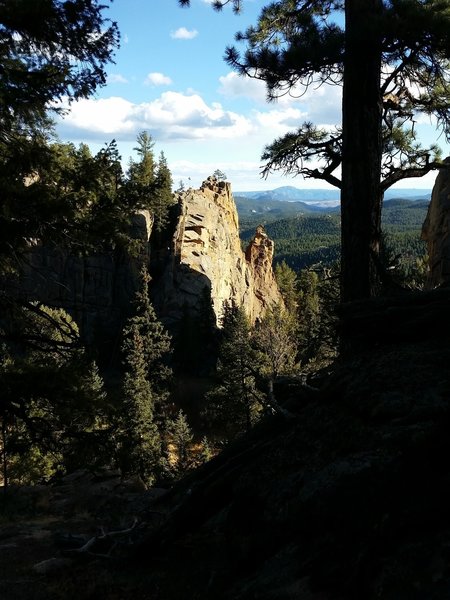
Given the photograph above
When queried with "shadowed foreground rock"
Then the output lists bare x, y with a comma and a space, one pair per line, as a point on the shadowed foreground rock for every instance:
348, 499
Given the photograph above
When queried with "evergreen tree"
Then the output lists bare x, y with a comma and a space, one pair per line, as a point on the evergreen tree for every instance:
235, 403
181, 435
149, 184
140, 440
142, 172
206, 452
275, 338
73, 200
317, 316
143, 415
106, 219
52, 401
219, 175
309, 315
155, 339
287, 282
49, 51
162, 198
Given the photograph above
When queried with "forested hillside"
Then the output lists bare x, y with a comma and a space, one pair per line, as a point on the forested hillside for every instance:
309, 238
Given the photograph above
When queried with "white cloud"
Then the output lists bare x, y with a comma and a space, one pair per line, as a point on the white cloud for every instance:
280, 121
172, 116
158, 79
320, 104
116, 78
183, 34
324, 104
234, 86
106, 116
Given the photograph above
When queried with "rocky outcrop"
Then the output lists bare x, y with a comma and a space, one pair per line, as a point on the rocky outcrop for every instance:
207, 259
204, 260
436, 230
97, 290
259, 256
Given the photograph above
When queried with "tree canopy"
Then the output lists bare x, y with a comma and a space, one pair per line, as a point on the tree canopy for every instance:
50, 50
51, 53
303, 43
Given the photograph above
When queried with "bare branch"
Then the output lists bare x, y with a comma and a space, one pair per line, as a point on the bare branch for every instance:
99, 540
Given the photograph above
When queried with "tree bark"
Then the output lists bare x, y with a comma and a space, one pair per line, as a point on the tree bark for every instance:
4, 456
361, 194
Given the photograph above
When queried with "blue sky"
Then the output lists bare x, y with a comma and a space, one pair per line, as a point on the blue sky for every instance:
170, 79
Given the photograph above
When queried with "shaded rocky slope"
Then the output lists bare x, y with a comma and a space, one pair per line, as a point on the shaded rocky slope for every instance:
345, 499
96, 289
348, 498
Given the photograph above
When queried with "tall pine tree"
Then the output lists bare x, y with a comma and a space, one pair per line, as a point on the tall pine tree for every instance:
143, 414
139, 438
235, 403
162, 197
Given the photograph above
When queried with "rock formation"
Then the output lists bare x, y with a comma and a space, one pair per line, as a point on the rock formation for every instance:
206, 256
204, 260
95, 289
436, 229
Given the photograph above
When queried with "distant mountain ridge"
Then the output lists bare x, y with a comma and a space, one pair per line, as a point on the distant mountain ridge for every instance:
257, 210
324, 197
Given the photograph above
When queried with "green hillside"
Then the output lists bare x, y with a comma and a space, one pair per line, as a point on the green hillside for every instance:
304, 239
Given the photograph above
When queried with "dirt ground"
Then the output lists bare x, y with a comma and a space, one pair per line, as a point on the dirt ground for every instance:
44, 529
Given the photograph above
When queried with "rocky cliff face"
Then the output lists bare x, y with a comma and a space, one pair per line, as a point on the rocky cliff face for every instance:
206, 258
436, 229
96, 290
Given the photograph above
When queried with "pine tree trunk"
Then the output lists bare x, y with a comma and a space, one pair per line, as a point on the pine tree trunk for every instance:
4, 456
361, 195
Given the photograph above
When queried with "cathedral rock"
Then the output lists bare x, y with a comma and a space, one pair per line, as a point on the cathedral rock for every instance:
206, 257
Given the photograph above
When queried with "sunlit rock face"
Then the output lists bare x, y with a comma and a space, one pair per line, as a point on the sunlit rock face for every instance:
207, 259
436, 230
